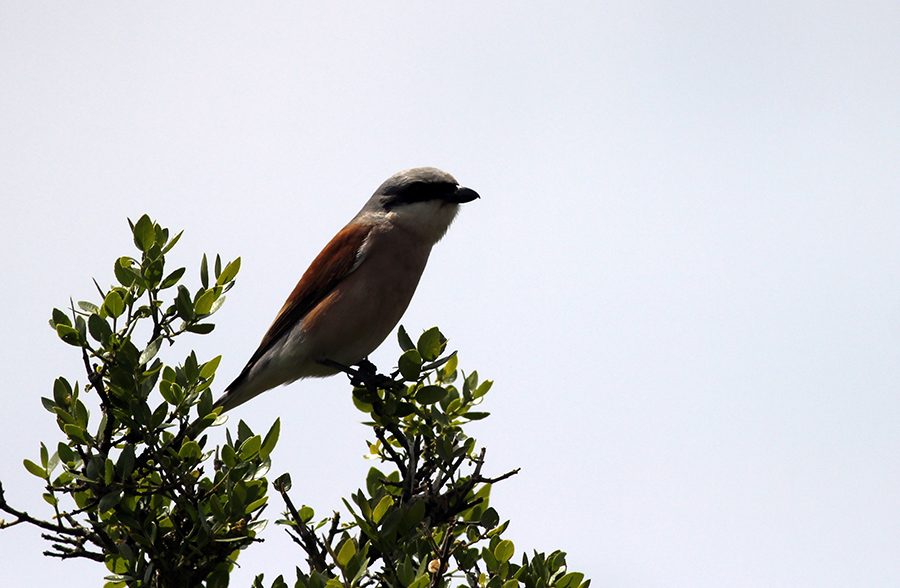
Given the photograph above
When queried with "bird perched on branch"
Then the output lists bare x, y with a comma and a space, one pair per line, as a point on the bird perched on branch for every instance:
355, 291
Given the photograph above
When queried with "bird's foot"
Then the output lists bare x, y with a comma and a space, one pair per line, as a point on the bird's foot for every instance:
364, 376
368, 376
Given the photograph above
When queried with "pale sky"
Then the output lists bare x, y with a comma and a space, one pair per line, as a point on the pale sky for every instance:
683, 274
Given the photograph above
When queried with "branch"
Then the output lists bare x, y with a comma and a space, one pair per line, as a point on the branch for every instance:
96, 380
509, 474
64, 552
443, 556
24, 517
310, 542
398, 461
368, 377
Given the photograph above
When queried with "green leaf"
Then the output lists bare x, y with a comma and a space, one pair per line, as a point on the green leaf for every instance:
470, 384
204, 273
172, 279
125, 463
153, 273
171, 244
200, 329
383, 506
209, 368
123, 271
65, 452
183, 304
282, 483
190, 449
430, 394
62, 391
109, 471
482, 389
415, 514
48, 404
110, 500
271, 439
191, 368
489, 518
113, 304
256, 505
205, 406
99, 328
88, 307
158, 416
439, 362
35, 469
374, 480
404, 339
410, 364
81, 327
218, 303
306, 513
250, 447
228, 274
116, 564
504, 551
69, 335
144, 233
431, 344
346, 553
150, 352
229, 457
205, 302
169, 394
76, 433
476, 416
570, 580
60, 318
361, 404
218, 579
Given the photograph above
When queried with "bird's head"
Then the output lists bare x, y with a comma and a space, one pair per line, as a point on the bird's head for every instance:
423, 199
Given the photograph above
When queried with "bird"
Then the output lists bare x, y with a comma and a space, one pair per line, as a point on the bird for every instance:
356, 290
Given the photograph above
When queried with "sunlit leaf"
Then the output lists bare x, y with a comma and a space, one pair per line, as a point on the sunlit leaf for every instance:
228, 274
383, 505
35, 469
504, 551
113, 304
431, 343
144, 233
271, 439
346, 553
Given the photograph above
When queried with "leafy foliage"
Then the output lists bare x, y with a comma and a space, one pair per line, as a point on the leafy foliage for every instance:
427, 520
130, 490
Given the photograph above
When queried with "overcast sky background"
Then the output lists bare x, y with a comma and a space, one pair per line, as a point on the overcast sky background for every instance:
683, 274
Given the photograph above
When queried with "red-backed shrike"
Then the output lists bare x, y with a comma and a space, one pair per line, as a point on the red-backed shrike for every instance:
355, 291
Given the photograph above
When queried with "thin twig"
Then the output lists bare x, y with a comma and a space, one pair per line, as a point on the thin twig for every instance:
394, 457
24, 517
311, 543
443, 556
96, 380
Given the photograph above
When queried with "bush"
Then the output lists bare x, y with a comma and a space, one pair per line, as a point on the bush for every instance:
132, 490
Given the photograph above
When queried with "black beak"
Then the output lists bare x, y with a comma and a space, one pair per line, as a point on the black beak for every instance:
463, 195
